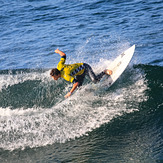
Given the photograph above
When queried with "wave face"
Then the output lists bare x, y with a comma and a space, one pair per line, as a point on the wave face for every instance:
34, 113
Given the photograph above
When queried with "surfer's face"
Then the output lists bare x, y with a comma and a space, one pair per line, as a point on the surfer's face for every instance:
55, 77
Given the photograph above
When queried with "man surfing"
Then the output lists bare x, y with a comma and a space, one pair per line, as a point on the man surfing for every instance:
75, 73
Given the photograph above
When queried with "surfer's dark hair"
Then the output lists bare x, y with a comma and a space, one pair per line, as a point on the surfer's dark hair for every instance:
55, 71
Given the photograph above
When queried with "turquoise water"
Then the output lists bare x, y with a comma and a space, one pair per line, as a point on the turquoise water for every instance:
122, 123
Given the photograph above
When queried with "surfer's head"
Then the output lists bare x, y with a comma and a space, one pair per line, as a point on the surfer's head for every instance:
55, 74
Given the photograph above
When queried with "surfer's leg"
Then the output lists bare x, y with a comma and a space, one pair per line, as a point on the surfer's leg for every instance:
80, 79
91, 74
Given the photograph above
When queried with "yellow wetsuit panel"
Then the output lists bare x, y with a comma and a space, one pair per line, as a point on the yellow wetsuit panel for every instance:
69, 71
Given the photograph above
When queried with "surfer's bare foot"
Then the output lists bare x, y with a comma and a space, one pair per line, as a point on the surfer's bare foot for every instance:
108, 72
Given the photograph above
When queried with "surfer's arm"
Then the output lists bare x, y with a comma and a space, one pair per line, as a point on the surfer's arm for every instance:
62, 54
75, 85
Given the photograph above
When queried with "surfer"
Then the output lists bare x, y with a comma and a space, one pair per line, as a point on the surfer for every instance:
75, 73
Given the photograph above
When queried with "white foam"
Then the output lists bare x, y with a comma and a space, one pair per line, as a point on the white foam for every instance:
69, 119
8, 112
12, 79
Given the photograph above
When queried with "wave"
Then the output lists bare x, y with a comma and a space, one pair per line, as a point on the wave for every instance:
34, 113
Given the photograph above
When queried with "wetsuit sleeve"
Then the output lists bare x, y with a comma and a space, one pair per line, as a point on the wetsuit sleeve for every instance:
74, 81
61, 63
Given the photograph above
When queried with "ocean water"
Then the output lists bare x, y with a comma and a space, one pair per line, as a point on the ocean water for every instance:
123, 123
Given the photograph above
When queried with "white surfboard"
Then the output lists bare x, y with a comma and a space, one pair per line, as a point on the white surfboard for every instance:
120, 64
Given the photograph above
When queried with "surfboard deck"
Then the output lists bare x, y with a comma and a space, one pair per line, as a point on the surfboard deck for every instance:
119, 64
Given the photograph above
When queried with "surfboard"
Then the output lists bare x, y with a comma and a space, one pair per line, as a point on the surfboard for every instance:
119, 64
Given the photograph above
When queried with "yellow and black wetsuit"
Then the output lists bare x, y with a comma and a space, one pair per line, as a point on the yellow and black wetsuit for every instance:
76, 72
70, 71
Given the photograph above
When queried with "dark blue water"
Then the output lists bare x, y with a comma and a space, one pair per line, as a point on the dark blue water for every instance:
118, 124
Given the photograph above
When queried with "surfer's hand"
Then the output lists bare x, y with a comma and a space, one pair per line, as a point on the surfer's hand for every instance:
68, 95
60, 52
57, 51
